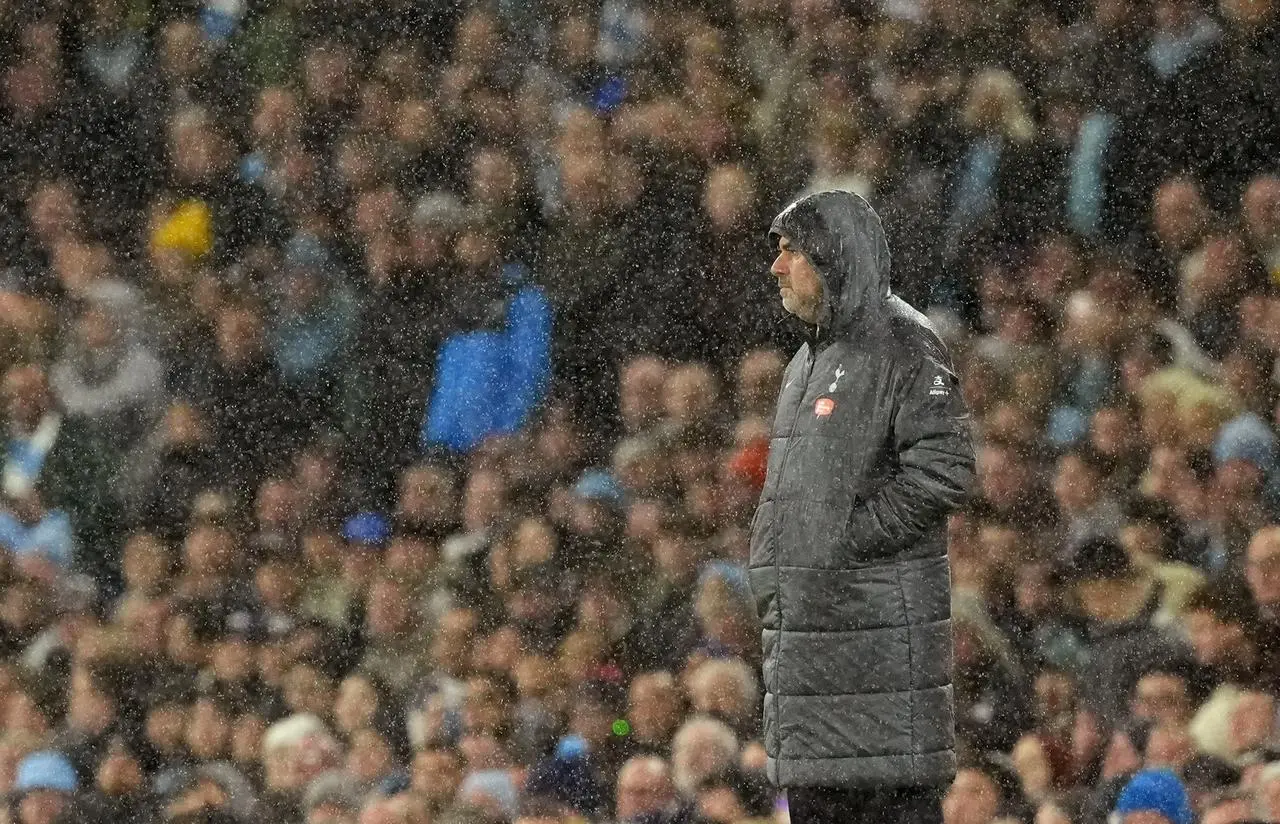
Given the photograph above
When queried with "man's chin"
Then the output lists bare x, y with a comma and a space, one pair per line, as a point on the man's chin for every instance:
800, 312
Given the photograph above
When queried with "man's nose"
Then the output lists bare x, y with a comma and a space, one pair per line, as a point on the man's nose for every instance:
777, 269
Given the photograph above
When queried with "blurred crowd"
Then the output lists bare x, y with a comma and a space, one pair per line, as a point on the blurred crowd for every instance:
388, 388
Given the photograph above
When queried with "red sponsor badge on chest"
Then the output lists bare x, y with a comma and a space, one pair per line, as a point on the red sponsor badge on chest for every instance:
824, 407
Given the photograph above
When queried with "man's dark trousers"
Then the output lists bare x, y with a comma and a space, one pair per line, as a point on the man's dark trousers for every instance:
891, 805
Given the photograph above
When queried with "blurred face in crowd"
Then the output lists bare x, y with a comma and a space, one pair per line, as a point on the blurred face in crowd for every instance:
1238, 481
360, 562
234, 658
640, 467
1162, 697
1214, 641
451, 642
277, 584
306, 689
119, 773
275, 504
1031, 762
145, 564
209, 551
584, 182
326, 72
495, 178
600, 608
728, 197
1247, 14
1268, 798
534, 543
1143, 540
1075, 485
1109, 600
1123, 755
23, 715
654, 706
1003, 475
1217, 275
641, 388
1170, 746
1180, 215
426, 495
1251, 722
1262, 569
1247, 372
644, 788
239, 336
322, 551
435, 775
208, 730
1114, 432
356, 162
477, 39
42, 806
972, 799
198, 150
375, 210
477, 251
498, 651
389, 611
246, 738
690, 394
720, 691
26, 395
30, 87
275, 117
53, 211
411, 559
798, 282
1173, 15
166, 726
483, 499
89, 708
1261, 212
417, 124
1002, 543
485, 707
181, 50
1230, 811
375, 111
357, 702
370, 756
184, 425
676, 556
759, 378
580, 651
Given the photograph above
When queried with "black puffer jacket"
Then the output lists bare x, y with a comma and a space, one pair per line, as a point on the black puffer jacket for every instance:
871, 449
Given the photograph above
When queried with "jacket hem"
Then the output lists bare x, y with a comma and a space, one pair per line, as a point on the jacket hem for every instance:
930, 769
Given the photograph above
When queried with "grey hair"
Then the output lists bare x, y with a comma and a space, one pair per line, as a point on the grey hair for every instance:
740, 671
699, 730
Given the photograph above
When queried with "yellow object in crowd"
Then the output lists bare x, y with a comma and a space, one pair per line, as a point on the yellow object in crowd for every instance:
188, 229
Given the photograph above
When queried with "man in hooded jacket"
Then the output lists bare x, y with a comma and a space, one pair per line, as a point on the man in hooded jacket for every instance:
870, 451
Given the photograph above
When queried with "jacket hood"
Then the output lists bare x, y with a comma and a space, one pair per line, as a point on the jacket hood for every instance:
844, 240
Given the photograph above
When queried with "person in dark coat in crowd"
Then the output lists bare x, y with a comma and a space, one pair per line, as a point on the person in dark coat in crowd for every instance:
119, 795
391, 355
738, 322
1117, 635
243, 395
871, 451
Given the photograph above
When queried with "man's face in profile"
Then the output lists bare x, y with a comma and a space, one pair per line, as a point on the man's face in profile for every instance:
798, 282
